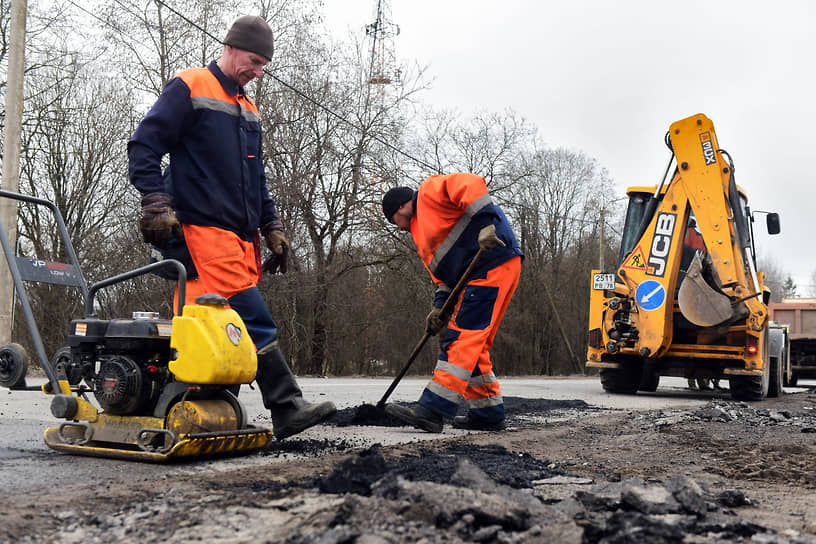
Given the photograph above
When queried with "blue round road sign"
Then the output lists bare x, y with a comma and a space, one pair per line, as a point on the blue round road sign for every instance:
650, 295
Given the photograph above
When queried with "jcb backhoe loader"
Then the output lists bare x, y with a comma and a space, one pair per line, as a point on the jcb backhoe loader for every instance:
686, 299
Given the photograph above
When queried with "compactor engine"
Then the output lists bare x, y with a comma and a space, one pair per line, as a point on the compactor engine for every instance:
124, 361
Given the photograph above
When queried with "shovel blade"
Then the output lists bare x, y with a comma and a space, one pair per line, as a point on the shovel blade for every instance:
699, 302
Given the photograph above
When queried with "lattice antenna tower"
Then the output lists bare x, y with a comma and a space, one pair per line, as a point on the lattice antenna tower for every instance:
383, 66
382, 71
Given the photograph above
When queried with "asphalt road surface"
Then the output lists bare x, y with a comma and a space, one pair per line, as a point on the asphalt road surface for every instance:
27, 464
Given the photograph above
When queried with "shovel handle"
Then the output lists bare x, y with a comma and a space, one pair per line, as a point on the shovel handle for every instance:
405, 368
460, 285
446, 308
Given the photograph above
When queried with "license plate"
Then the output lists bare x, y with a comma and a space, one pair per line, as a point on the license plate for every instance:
603, 281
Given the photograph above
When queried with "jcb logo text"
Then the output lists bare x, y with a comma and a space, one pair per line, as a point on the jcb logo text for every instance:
661, 243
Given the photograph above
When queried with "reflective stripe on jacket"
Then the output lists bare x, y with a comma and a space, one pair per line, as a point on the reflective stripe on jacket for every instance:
212, 131
449, 212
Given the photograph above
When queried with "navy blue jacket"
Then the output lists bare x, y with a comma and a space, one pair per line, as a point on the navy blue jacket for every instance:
212, 131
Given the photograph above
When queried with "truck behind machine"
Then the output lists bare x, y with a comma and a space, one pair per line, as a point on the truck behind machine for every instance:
799, 314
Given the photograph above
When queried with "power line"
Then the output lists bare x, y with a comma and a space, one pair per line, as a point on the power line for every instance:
307, 97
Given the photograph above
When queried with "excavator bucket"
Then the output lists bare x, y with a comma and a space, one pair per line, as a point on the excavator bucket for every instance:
699, 302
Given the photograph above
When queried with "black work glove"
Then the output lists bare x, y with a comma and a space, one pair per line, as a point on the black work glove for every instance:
488, 239
435, 321
279, 246
277, 263
158, 223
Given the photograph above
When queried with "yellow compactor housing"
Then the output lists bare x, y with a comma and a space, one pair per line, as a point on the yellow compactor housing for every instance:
212, 346
193, 414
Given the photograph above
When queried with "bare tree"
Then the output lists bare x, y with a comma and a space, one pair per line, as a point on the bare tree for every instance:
555, 209
325, 166
73, 155
776, 279
151, 43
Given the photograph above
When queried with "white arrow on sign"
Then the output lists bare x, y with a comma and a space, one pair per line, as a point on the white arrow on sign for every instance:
646, 297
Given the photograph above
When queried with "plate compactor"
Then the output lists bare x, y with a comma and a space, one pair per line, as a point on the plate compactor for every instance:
164, 389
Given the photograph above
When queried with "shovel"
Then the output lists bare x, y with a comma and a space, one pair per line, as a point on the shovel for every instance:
446, 310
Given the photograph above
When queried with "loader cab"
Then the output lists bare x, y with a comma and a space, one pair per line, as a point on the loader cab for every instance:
772, 225
634, 215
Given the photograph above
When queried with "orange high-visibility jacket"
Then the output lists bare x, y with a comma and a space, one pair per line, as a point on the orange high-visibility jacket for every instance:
449, 212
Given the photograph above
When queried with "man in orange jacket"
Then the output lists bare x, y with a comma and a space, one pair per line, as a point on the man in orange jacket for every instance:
451, 217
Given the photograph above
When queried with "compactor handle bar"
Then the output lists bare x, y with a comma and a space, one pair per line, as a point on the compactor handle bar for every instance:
87, 295
63, 231
8, 251
166, 263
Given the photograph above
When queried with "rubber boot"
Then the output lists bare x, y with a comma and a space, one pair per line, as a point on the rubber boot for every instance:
476, 424
283, 398
417, 416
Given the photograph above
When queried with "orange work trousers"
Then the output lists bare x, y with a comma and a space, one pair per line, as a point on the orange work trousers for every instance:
226, 263
464, 369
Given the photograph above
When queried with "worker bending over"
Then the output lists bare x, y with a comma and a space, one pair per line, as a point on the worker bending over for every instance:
450, 218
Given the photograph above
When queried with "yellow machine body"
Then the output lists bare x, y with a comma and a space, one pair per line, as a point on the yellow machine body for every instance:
213, 346
73, 440
657, 315
202, 418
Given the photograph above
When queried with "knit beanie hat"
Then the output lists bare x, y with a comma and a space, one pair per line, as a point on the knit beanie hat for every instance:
393, 199
251, 33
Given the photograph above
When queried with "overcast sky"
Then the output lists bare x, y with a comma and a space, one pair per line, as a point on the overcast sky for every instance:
609, 77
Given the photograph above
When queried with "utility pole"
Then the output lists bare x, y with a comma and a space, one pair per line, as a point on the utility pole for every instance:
601, 236
11, 156
579, 367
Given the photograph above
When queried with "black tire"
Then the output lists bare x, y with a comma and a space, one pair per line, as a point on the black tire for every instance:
775, 379
752, 388
13, 366
649, 381
794, 379
624, 380
61, 363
